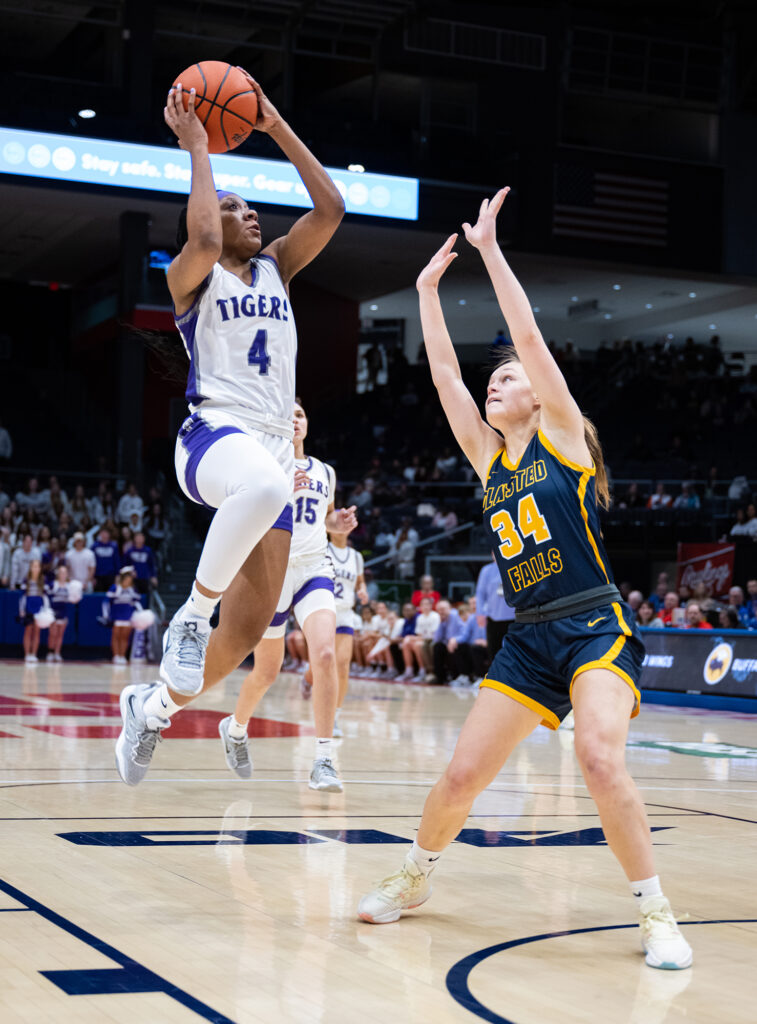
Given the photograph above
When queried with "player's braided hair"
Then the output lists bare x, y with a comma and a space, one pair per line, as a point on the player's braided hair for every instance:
602, 486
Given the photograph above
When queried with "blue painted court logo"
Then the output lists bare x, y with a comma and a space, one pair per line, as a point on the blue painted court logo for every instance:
717, 664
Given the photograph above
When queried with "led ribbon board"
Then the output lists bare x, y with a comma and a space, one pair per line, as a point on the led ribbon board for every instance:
162, 169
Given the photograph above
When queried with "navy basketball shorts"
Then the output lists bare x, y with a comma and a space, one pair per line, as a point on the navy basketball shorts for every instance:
539, 662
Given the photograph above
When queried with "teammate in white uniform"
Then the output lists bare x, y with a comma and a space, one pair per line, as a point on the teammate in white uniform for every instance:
234, 452
349, 580
309, 591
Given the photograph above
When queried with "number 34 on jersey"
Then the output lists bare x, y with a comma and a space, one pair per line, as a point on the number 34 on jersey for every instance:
513, 537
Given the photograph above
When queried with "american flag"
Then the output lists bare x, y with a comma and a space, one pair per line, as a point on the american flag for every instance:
622, 208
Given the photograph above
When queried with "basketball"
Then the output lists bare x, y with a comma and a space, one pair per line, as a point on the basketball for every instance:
225, 102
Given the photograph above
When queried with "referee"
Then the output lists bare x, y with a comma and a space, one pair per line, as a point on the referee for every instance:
492, 609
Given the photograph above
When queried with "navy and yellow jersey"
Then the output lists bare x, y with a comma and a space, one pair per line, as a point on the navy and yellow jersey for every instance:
543, 524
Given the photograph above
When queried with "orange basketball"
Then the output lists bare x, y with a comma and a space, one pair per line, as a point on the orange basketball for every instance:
225, 102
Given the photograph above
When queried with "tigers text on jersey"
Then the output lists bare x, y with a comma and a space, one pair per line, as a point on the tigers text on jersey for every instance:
311, 506
544, 526
242, 346
348, 565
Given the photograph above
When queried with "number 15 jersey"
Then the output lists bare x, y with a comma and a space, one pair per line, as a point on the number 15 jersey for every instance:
543, 524
242, 346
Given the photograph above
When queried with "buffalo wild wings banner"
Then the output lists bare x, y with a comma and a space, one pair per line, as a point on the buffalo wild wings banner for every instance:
706, 563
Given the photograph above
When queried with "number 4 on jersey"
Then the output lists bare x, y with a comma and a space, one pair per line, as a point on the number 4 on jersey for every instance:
258, 354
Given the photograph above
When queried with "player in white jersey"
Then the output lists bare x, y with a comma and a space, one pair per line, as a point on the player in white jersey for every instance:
234, 452
308, 591
349, 580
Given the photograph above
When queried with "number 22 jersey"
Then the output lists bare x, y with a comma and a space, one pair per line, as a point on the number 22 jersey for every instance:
242, 346
542, 519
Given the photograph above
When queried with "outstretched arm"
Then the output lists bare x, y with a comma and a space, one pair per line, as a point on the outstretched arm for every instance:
559, 413
312, 231
203, 247
477, 440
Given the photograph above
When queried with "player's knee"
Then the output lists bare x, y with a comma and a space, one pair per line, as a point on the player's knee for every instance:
461, 781
599, 763
323, 656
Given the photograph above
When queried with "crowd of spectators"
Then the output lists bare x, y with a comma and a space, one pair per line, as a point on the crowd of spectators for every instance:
665, 412
693, 608
94, 535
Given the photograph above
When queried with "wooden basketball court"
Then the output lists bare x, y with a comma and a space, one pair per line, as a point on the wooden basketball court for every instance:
198, 896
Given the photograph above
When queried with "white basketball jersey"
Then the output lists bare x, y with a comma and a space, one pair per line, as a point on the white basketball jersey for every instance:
348, 565
311, 505
242, 346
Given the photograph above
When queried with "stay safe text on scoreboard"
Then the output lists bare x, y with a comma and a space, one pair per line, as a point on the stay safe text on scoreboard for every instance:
162, 169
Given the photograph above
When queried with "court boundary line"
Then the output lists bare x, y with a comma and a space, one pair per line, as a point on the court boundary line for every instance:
124, 961
459, 974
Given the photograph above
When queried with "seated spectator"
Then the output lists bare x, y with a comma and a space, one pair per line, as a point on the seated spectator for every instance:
633, 498
446, 640
728, 618
670, 614
107, 560
736, 601
78, 508
446, 463
5, 557
738, 489
125, 539
445, 519
750, 525
43, 539
21, 561
158, 532
362, 498
405, 543
52, 559
378, 627
751, 602
660, 499
135, 522
739, 527
684, 593
31, 497
694, 617
81, 562
129, 502
6, 446
426, 589
657, 598
703, 597
418, 647
380, 655
66, 526
55, 495
646, 616
142, 558
687, 499
634, 600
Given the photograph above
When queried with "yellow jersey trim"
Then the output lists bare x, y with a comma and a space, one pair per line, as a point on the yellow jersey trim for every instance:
549, 718
585, 516
606, 662
561, 458
506, 460
491, 463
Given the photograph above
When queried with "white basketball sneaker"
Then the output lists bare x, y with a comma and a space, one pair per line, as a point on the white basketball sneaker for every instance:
324, 776
184, 645
661, 938
236, 752
405, 890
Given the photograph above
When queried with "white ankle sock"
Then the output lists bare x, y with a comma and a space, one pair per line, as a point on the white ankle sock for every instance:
199, 606
424, 859
160, 705
645, 888
323, 748
237, 731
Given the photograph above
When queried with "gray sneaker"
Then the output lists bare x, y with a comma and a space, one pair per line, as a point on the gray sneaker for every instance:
135, 745
184, 645
324, 776
236, 751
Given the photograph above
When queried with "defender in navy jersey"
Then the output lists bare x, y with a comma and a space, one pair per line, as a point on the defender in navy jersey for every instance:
573, 642
234, 452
